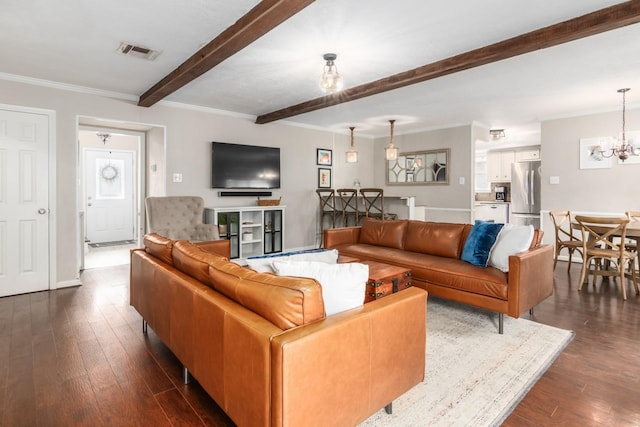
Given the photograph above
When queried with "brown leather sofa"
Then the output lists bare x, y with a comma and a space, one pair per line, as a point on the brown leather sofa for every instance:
432, 252
261, 345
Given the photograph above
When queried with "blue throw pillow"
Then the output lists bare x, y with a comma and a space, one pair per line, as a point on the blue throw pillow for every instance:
479, 243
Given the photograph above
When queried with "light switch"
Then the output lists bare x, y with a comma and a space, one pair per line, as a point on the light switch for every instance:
177, 177
554, 180
461, 180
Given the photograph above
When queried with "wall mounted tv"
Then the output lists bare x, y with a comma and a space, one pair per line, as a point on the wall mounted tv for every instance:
244, 166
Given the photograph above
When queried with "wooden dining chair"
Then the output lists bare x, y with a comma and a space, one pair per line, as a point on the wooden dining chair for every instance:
349, 205
373, 200
327, 207
633, 242
564, 236
598, 244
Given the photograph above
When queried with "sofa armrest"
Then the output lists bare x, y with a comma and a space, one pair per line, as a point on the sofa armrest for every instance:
338, 236
220, 247
346, 367
530, 279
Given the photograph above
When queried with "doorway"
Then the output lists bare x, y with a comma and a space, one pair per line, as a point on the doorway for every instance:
111, 187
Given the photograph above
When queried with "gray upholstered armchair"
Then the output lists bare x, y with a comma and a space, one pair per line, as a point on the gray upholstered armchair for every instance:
179, 217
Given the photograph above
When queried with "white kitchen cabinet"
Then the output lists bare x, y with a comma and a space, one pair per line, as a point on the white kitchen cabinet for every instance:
499, 165
528, 154
496, 212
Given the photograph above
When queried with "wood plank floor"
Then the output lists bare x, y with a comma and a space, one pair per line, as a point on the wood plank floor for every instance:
77, 357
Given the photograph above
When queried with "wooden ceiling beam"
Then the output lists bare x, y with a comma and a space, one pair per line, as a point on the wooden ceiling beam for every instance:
597, 22
263, 18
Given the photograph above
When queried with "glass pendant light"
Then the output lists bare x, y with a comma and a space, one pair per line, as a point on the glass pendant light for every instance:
391, 151
352, 154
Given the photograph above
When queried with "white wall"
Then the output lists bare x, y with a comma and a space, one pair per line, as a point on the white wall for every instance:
614, 190
188, 136
454, 201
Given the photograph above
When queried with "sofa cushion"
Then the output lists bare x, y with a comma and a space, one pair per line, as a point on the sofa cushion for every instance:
192, 260
479, 243
286, 302
159, 247
389, 233
511, 240
434, 238
262, 264
343, 285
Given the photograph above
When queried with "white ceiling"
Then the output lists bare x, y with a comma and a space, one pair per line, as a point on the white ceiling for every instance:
75, 41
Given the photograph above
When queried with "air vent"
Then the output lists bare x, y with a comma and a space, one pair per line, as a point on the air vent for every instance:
130, 49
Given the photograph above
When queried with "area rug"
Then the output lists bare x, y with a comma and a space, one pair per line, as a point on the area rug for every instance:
474, 376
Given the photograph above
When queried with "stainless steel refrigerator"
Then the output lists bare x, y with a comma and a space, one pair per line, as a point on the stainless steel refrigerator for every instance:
525, 193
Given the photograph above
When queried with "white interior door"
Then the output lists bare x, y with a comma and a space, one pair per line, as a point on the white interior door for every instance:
24, 202
109, 203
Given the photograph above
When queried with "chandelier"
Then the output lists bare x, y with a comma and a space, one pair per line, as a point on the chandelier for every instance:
391, 151
331, 80
622, 150
352, 154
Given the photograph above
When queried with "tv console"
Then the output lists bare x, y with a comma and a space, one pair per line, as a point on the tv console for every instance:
252, 230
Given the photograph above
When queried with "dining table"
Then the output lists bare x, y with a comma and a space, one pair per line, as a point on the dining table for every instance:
633, 229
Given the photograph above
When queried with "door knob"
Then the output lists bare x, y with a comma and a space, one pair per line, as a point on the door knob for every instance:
42, 211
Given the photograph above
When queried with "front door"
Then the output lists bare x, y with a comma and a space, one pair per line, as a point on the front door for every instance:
109, 204
24, 202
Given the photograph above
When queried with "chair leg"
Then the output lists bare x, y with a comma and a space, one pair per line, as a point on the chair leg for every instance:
583, 272
623, 283
570, 258
634, 276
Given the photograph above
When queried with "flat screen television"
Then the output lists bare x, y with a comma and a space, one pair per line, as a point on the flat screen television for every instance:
244, 166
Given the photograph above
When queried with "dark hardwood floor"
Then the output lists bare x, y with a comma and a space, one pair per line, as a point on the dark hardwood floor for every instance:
77, 356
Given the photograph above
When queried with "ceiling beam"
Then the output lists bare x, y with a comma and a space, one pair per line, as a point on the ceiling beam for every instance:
263, 18
593, 23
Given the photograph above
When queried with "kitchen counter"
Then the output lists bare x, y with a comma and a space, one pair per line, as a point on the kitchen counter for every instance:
492, 211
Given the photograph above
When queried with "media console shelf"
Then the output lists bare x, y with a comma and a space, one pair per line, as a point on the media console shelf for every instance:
252, 230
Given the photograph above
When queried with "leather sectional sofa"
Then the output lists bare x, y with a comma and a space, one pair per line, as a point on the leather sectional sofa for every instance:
432, 252
261, 345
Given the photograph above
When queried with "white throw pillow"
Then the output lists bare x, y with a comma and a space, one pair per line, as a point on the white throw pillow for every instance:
511, 240
263, 264
343, 285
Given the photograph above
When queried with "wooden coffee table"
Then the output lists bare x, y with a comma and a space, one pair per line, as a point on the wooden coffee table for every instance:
385, 279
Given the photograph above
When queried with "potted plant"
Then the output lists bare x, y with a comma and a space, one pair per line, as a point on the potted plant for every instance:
222, 224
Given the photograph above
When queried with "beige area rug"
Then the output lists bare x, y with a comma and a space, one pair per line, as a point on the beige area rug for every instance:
474, 376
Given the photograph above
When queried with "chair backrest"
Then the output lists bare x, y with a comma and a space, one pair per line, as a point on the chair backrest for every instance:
174, 217
634, 216
348, 199
600, 231
373, 199
327, 200
562, 224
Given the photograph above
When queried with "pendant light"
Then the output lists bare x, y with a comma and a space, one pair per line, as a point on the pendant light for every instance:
391, 151
352, 154
331, 80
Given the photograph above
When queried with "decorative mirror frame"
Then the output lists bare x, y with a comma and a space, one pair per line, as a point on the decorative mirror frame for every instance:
429, 167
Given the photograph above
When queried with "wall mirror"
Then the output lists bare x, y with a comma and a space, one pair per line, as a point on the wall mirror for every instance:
419, 168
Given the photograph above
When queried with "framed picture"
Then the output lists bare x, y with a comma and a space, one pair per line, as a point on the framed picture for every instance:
324, 178
324, 157
590, 153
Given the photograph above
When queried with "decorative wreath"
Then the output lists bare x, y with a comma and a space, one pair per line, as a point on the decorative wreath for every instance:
109, 173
